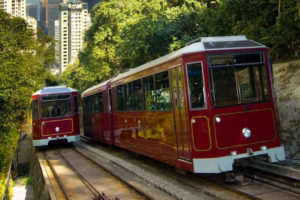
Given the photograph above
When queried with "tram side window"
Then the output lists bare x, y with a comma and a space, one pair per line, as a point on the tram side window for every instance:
88, 104
84, 105
163, 91
137, 95
100, 102
128, 97
149, 93
95, 103
35, 109
120, 98
196, 86
225, 91
110, 100
75, 105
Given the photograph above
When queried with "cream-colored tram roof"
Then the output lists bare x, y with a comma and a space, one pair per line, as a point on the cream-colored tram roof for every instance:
200, 45
54, 90
195, 47
205, 44
94, 88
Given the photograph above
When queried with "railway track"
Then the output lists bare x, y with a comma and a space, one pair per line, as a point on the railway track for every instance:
258, 186
282, 175
180, 186
75, 176
67, 188
252, 186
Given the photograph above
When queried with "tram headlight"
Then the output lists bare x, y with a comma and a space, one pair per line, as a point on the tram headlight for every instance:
57, 129
246, 133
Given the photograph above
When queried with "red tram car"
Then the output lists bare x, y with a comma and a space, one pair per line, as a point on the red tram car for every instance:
55, 115
198, 108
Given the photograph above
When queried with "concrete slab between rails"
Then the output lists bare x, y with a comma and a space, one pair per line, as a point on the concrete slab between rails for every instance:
44, 183
48, 192
161, 184
223, 164
122, 174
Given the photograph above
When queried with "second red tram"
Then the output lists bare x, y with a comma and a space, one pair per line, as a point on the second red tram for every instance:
55, 115
198, 108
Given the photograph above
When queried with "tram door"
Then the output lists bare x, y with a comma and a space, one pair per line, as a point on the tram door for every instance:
180, 114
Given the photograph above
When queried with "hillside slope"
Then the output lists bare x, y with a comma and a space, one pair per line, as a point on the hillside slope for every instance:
287, 86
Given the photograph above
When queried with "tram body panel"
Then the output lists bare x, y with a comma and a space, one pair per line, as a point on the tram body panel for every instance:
202, 107
55, 115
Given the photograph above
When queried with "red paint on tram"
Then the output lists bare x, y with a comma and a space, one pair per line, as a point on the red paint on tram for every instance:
199, 108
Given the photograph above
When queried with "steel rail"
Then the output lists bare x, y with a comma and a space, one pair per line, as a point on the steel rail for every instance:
231, 188
276, 176
276, 169
288, 162
272, 182
115, 175
97, 194
57, 177
240, 192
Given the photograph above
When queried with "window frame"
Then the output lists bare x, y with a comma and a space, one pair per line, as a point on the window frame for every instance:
75, 105
204, 86
57, 100
38, 109
143, 108
263, 62
156, 91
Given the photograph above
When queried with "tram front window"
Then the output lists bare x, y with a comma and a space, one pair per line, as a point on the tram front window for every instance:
56, 108
238, 79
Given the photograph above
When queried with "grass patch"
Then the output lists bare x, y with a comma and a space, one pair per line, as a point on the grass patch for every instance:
27, 181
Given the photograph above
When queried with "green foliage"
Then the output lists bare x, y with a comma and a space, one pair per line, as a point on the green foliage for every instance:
127, 33
259, 20
27, 181
23, 61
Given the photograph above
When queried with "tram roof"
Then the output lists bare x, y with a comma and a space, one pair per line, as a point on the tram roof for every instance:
199, 45
55, 90
95, 88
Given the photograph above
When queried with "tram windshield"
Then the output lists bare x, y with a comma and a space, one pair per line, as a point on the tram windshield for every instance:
56, 106
238, 79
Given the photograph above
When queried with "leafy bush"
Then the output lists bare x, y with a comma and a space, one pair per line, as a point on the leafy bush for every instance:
23, 61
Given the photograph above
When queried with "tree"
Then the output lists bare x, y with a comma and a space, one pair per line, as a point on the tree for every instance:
127, 33
23, 61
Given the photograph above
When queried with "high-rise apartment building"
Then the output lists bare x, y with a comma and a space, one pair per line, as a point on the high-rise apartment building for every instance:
6, 5
33, 8
49, 13
74, 20
44, 15
53, 14
16, 8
